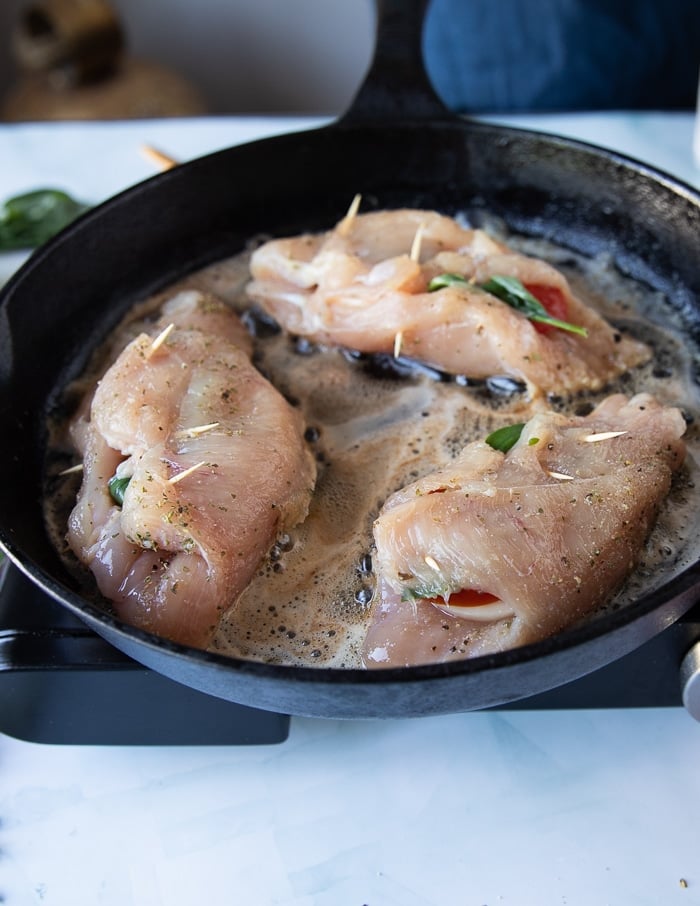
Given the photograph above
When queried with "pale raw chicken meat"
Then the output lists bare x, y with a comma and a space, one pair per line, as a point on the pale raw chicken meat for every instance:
503, 549
185, 544
364, 286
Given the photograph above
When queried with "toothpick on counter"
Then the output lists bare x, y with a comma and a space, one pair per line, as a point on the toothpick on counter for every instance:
159, 158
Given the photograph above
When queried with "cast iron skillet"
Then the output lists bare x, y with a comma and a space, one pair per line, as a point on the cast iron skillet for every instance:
397, 145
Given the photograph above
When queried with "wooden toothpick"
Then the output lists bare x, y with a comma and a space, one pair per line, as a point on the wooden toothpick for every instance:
187, 472
346, 223
161, 160
160, 339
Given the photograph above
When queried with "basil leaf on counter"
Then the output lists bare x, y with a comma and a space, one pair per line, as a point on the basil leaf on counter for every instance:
29, 220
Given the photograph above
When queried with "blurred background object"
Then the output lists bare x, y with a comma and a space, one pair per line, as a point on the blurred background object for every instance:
493, 56
310, 56
232, 56
73, 64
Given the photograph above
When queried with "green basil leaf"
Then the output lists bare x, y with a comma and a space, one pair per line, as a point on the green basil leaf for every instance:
511, 291
443, 280
505, 438
29, 220
117, 488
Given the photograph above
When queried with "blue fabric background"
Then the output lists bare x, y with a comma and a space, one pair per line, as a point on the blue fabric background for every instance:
517, 55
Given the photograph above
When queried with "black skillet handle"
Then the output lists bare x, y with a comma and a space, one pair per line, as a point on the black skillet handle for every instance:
397, 86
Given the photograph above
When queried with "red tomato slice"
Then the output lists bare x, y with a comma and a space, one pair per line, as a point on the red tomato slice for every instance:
467, 597
552, 299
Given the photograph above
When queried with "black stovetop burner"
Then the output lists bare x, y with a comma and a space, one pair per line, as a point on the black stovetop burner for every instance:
61, 683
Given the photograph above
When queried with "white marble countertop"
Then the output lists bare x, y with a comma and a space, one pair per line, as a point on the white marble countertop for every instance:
573, 808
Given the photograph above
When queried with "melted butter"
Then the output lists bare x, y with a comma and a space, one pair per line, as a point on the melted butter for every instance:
373, 431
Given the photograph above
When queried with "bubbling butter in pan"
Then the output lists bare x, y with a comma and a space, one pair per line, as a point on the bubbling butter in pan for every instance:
375, 424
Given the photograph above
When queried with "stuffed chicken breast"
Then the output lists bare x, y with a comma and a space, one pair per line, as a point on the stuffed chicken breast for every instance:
505, 548
192, 465
415, 283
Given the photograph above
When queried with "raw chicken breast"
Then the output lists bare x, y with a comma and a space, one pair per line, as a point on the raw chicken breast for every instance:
364, 286
502, 549
216, 466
